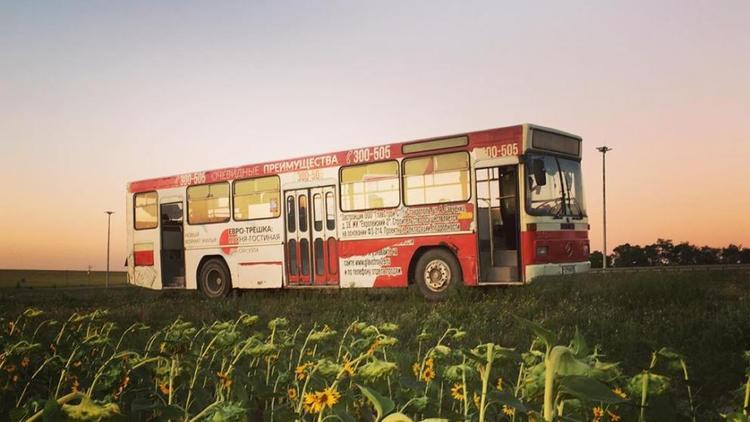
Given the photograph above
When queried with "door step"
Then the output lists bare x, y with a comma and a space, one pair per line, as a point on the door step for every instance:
177, 282
504, 274
506, 258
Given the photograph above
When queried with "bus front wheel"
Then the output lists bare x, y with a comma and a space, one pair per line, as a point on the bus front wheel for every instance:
214, 279
436, 273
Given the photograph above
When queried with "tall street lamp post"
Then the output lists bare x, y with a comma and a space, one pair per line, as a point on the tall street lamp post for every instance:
109, 224
604, 151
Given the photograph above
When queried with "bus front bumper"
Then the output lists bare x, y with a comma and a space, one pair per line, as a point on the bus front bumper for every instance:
539, 270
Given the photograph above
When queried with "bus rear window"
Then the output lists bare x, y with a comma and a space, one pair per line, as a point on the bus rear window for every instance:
370, 186
208, 203
436, 179
256, 198
145, 210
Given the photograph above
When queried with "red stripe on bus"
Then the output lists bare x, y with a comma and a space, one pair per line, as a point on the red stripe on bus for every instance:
501, 136
402, 250
562, 246
261, 263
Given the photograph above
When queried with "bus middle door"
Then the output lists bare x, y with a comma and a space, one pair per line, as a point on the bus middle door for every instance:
297, 237
312, 245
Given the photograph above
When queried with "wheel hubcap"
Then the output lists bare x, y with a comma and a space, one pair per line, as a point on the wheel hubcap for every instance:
214, 282
437, 275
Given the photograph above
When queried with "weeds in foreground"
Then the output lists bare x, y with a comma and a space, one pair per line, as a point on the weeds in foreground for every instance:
87, 368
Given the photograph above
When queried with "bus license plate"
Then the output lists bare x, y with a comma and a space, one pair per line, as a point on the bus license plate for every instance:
568, 269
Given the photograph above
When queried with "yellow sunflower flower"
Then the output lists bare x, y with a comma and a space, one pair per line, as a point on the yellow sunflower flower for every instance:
613, 417
415, 369
311, 403
328, 397
457, 392
477, 399
508, 411
164, 388
428, 374
300, 373
620, 393
224, 380
598, 413
348, 368
292, 393
373, 347
25, 362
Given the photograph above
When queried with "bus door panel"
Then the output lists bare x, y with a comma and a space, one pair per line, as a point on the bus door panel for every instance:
297, 216
324, 239
172, 245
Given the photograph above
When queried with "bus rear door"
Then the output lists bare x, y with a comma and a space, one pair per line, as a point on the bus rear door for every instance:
172, 245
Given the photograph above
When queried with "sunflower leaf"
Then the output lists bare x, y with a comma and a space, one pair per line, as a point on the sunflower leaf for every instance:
383, 405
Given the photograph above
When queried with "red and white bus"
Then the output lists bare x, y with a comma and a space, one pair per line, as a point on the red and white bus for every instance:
492, 207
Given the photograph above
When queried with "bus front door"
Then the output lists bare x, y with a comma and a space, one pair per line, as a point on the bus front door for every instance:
498, 224
172, 246
311, 244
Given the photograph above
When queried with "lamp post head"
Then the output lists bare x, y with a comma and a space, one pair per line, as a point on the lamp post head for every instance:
109, 212
603, 149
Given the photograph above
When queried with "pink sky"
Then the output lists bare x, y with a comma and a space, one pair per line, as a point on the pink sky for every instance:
93, 95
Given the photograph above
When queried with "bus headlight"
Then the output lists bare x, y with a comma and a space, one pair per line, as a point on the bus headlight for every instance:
585, 250
542, 251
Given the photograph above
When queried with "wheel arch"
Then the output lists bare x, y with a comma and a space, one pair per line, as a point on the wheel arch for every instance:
203, 262
411, 276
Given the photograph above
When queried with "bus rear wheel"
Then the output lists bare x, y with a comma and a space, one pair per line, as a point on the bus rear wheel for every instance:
214, 279
436, 273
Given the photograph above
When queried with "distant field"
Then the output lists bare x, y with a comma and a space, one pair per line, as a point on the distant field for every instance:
49, 278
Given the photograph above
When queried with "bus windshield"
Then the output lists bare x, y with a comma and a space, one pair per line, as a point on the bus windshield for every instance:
554, 187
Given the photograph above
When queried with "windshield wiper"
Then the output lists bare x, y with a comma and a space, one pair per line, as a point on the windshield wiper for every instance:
563, 188
561, 210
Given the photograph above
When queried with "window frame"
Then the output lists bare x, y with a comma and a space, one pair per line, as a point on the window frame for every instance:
427, 204
527, 198
398, 177
232, 202
187, 203
157, 210
463, 144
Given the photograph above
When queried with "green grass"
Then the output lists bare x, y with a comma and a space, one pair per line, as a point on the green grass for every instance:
51, 278
705, 316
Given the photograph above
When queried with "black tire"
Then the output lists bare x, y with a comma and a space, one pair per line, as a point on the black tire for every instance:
214, 279
437, 273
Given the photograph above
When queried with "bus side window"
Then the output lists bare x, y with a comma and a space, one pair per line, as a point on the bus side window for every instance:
292, 251
145, 212
290, 227
330, 211
302, 213
317, 212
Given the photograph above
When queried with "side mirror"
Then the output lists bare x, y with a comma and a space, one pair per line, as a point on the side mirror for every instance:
540, 174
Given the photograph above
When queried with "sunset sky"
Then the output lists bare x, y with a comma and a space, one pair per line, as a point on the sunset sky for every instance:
96, 94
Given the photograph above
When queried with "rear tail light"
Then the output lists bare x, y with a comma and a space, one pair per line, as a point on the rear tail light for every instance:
542, 251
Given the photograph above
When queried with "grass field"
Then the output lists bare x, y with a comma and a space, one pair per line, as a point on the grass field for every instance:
703, 316
51, 278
